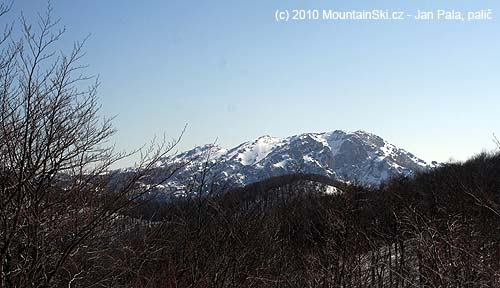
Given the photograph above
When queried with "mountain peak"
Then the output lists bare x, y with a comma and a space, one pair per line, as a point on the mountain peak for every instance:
358, 156
266, 138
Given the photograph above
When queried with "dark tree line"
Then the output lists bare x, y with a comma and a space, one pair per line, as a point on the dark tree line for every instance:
439, 229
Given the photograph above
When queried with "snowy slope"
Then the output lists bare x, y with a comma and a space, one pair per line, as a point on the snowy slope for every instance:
358, 157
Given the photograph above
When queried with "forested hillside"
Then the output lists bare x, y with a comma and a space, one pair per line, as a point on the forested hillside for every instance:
440, 229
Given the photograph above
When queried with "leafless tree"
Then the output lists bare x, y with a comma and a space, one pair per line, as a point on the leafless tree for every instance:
57, 200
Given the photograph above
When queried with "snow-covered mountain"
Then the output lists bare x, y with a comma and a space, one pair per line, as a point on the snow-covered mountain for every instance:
358, 157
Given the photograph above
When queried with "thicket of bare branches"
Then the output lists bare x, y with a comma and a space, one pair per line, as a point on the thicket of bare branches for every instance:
56, 201
440, 229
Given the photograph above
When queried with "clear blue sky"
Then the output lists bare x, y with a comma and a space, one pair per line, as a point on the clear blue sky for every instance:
229, 71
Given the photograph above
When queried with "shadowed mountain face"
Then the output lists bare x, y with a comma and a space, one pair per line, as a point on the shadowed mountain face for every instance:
358, 157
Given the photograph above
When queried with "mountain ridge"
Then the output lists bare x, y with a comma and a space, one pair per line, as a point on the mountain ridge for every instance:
352, 157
